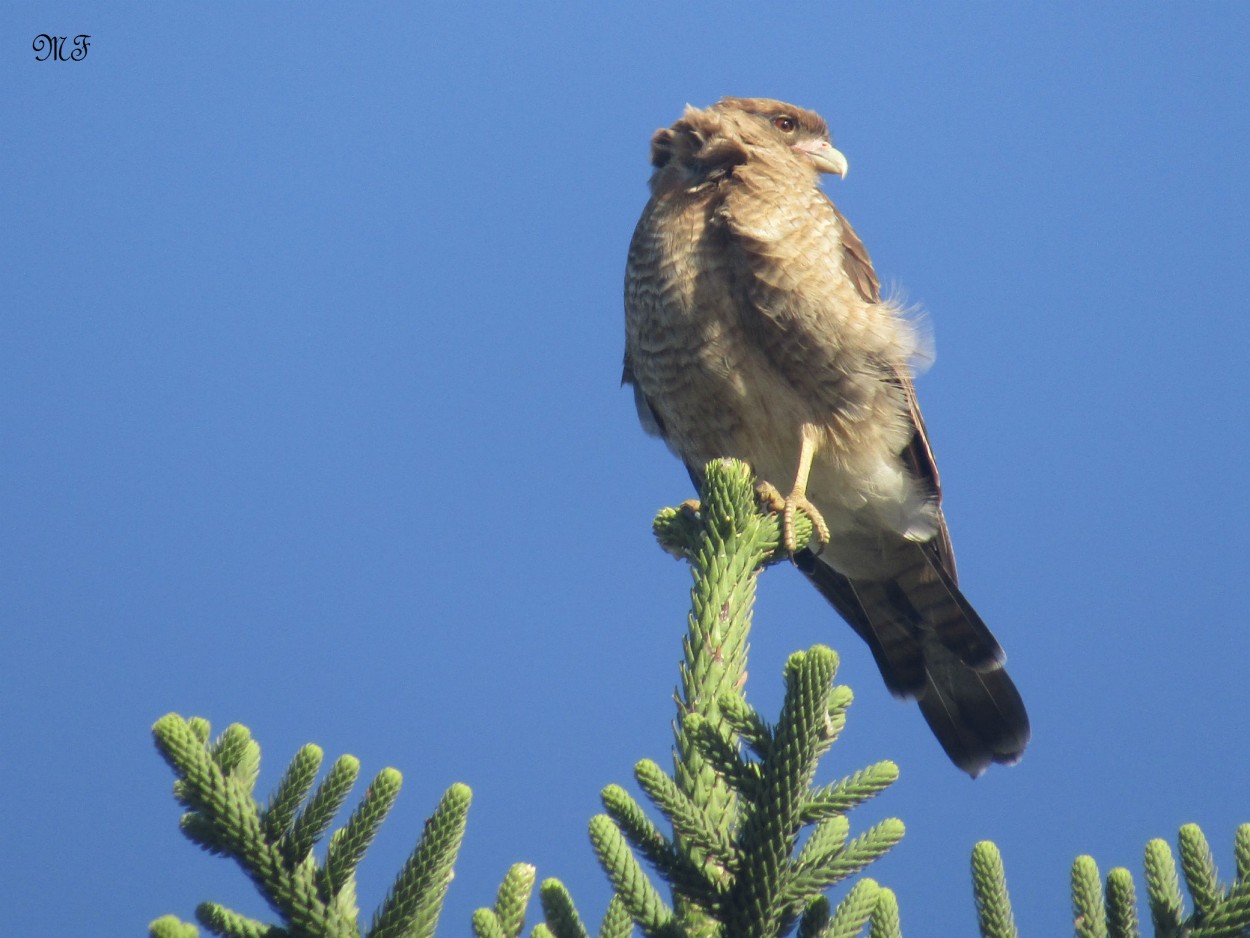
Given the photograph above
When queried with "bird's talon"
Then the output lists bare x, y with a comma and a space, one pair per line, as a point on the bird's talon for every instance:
769, 498
772, 500
820, 530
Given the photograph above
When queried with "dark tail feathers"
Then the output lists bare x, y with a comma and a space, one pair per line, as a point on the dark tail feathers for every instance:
930, 644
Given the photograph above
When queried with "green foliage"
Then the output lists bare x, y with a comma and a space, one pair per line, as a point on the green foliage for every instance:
749, 845
989, 888
1110, 910
753, 844
1121, 903
885, 920
416, 897
168, 926
507, 918
274, 845
1087, 909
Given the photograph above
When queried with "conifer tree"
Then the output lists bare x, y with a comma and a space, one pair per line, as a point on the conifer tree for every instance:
749, 844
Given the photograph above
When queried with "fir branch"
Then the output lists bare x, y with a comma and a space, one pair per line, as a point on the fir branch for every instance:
202, 831
989, 885
1122, 905
747, 724
815, 919
1198, 867
737, 814
633, 822
486, 925
766, 892
676, 867
170, 926
1089, 915
297, 782
226, 818
826, 840
722, 760
348, 845
415, 899
238, 755
849, 792
1241, 853
840, 700
513, 898
859, 853
679, 530
617, 922
731, 548
629, 881
201, 785
885, 918
336, 885
222, 921
1231, 919
311, 824
759, 899
561, 916
854, 911
1163, 890
690, 825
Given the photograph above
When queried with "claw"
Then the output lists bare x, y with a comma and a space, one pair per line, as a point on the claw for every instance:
820, 530
772, 499
769, 497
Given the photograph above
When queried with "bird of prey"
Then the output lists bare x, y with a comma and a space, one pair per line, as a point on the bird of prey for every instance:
755, 328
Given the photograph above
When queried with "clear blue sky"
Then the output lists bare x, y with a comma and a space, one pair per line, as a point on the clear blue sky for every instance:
310, 339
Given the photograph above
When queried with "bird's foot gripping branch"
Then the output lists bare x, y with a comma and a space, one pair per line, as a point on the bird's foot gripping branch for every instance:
729, 507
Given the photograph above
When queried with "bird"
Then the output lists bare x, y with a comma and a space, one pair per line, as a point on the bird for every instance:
756, 329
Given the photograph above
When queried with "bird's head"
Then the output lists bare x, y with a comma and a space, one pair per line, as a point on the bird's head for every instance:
805, 132
709, 141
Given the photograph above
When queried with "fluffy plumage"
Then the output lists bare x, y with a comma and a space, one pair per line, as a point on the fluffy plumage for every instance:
755, 328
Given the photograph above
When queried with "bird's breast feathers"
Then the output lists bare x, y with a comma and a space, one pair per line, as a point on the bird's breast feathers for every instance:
743, 327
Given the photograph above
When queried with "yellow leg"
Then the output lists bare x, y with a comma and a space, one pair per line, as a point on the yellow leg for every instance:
798, 498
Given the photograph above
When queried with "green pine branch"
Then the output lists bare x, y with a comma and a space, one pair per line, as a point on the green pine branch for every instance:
506, 919
274, 844
1109, 910
749, 844
740, 799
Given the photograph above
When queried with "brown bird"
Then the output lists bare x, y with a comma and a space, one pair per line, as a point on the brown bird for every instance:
755, 328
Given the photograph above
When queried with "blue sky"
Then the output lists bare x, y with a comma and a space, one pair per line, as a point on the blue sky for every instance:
310, 339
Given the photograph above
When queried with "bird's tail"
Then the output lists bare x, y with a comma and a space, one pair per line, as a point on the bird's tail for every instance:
930, 644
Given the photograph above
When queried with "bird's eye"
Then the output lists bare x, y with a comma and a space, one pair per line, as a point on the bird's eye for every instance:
785, 124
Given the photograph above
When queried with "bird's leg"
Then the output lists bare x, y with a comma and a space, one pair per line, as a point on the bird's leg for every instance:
797, 498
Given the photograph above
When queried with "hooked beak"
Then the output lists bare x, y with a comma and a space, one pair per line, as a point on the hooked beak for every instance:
824, 157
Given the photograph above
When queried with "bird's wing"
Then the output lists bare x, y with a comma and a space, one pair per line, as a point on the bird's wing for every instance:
646, 413
855, 259
919, 459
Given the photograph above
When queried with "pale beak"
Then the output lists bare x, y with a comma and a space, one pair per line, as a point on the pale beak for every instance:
825, 158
